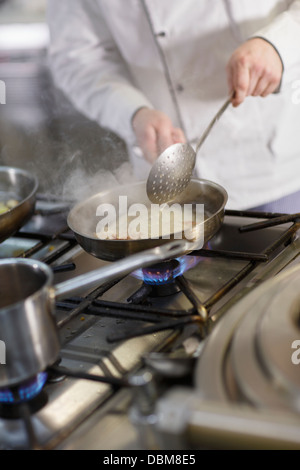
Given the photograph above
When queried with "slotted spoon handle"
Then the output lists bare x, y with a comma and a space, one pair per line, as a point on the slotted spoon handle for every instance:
212, 123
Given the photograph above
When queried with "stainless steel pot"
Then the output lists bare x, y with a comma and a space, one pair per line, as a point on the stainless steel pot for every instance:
27, 325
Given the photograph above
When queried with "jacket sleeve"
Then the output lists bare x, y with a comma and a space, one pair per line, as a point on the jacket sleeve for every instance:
86, 64
284, 34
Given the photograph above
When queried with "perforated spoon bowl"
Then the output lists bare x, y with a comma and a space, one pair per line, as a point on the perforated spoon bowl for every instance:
172, 171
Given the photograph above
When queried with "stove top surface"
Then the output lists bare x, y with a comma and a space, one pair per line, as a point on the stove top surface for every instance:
112, 331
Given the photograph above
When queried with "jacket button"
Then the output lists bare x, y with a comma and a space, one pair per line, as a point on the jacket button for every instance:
161, 34
179, 88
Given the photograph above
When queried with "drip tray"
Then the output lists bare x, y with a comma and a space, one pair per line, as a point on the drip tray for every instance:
14, 247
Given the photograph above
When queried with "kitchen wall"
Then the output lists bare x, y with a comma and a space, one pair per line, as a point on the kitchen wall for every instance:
39, 128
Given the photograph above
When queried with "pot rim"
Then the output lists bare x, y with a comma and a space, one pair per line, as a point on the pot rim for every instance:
31, 264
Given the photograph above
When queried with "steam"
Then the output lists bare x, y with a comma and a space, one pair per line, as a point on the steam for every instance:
81, 184
71, 156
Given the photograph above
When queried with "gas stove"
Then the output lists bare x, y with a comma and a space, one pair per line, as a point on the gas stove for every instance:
143, 355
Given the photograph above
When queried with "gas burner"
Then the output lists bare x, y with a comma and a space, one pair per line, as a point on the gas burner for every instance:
163, 290
161, 276
166, 271
159, 280
15, 410
29, 394
161, 273
23, 392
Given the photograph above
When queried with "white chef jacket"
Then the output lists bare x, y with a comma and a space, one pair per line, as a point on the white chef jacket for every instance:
112, 57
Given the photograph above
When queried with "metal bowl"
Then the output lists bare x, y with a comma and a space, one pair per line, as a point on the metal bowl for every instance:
16, 184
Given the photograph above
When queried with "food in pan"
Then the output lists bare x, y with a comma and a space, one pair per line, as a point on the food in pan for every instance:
6, 206
142, 222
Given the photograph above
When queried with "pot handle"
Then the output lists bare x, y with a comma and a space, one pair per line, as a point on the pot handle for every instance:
123, 267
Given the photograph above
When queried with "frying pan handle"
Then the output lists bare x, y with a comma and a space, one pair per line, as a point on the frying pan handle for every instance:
123, 267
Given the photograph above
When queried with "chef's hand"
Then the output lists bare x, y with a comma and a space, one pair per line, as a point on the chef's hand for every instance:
254, 69
155, 132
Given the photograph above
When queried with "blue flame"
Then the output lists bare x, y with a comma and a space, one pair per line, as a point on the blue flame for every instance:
165, 276
24, 392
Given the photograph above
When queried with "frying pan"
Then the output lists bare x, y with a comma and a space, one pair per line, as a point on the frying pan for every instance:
82, 218
20, 185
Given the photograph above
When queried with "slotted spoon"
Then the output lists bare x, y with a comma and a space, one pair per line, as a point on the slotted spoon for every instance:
172, 171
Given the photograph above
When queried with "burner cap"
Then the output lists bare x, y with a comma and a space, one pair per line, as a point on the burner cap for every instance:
161, 273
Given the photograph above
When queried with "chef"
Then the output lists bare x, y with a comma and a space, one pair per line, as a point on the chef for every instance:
156, 71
